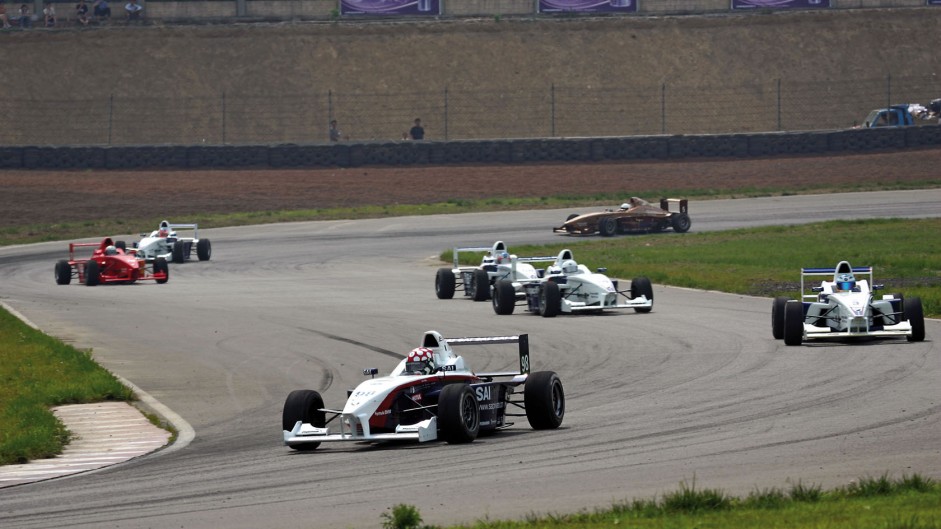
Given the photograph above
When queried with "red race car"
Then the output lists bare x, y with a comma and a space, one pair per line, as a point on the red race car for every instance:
109, 263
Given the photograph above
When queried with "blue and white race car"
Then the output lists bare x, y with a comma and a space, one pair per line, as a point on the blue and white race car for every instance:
477, 281
843, 306
430, 395
167, 243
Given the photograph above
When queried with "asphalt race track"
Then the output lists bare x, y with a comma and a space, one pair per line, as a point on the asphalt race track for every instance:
696, 390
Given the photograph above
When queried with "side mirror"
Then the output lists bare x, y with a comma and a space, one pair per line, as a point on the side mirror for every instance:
878, 287
816, 289
371, 371
602, 270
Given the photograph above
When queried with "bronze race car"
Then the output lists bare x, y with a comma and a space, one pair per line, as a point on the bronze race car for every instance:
636, 215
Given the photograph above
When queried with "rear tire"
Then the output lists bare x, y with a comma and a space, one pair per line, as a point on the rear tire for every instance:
777, 317
480, 285
203, 249
640, 286
303, 405
793, 323
63, 272
177, 252
160, 265
914, 313
680, 222
504, 298
544, 400
550, 300
92, 273
444, 283
607, 226
458, 414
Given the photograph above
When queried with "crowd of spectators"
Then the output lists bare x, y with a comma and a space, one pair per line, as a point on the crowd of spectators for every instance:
100, 13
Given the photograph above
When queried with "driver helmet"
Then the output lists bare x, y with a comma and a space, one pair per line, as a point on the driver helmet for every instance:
569, 266
845, 282
503, 257
420, 361
625, 206
111, 250
162, 232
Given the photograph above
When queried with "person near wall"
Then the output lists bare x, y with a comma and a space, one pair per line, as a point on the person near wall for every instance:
133, 11
101, 10
26, 20
334, 131
49, 15
417, 132
81, 12
3, 15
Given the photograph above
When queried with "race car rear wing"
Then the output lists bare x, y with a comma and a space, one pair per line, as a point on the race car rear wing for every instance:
830, 272
522, 340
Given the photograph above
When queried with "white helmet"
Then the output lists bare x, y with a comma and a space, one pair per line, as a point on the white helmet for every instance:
569, 266
111, 250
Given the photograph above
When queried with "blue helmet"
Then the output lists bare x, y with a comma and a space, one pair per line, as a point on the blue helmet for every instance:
845, 282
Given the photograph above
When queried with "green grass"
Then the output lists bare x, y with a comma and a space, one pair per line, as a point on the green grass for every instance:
36, 373
905, 255
912, 502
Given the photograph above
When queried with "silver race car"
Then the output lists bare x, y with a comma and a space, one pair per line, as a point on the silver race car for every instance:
430, 395
843, 306
477, 281
167, 243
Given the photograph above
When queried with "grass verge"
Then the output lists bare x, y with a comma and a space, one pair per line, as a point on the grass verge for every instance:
905, 254
911, 502
36, 373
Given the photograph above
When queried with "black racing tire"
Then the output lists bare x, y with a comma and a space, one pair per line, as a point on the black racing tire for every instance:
160, 265
572, 216
550, 300
63, 272
303, 405
92, 273
504, 298
121, 245
640, 286
681, 222
777, 317
444, 283
178, 253
458, 414
544, 400
793, 322
203, 249
480, 284
915, 314
607, 226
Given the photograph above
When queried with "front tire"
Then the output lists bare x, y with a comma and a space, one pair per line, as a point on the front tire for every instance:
203, 249
92, 273
480, 285
177, 252
504, 298
544, 399
63, 272
458, 414
777, 317
607, 226
793, 323
303, 405
161, 266
914, 313
550, 300
640, 286
444, 283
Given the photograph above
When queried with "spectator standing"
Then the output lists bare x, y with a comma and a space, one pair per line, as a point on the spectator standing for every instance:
101, 10
335, 133
26, 20
417, 132
3, 15
133, 10
81, 12
49, 15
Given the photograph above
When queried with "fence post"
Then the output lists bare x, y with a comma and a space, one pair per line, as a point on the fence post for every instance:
663, 108
223, 117
888, 90
445, 113
552, 107
110, 117
779, 104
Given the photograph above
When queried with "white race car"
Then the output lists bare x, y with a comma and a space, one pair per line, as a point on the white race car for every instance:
477, 281
844, 307
167, 243
567, 287
430, 395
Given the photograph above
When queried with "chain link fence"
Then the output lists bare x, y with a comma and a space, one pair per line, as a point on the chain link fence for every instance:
558, 110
